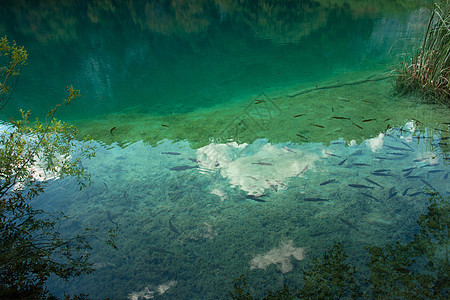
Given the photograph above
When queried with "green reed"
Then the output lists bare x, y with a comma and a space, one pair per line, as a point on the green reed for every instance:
427, 73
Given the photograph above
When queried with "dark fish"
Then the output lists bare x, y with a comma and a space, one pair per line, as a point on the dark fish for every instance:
303, 170
396, 153
259, 101
368, 120
392, 195
382, 170
446, 175
348, 224
337, 143
171, 153
320, 126
331, 154
385, 158
358, 126
405, 191
342, 162
173, 228
415, 194
299, 116
429, 165
360, 164
360, 186
409, 169
387, 119
315, 199
254, 198
387, 127
303, 137
412, 176
341, 118
407, 174
404, 143
380, 174
424, 181
420, 159
194, 160
262, 163
112, 129
328, 181
369, 196
182, 168
397, 148
106, 186
373, 182
287, 149
163, 125
256, 179
435, 171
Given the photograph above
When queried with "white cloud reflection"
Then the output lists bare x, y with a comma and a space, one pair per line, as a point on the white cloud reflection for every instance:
255, 171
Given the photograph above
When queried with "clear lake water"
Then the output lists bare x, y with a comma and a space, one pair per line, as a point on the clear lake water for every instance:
226, 129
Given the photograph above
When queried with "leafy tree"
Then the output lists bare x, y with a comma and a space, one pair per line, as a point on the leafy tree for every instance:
31, 155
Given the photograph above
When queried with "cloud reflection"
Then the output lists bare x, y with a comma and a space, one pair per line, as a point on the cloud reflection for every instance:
255, 170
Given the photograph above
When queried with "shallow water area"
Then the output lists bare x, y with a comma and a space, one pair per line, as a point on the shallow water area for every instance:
232, 138
198, 215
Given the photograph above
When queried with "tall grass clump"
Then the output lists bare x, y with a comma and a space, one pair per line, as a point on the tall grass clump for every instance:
427, 73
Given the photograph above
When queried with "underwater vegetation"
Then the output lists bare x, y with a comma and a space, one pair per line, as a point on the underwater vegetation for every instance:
415, 270
427, 73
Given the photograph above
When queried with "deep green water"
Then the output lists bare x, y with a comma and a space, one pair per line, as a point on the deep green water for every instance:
225, 79
161, 60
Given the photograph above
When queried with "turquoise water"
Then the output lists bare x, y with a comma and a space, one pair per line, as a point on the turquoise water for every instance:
266, 142
164, 59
